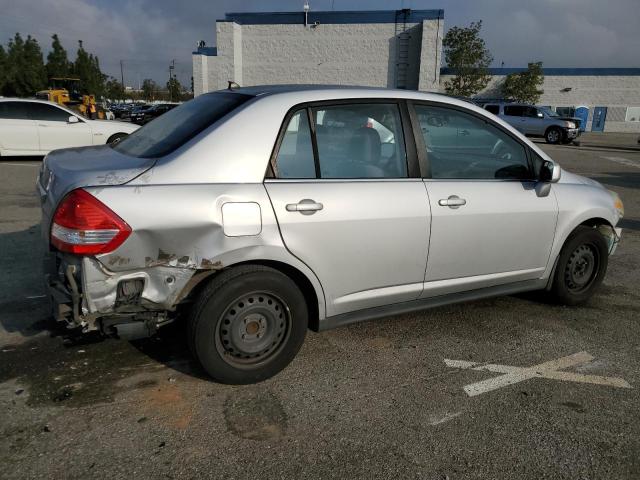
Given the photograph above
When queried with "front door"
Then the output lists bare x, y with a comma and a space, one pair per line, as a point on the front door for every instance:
54, 128
351, 212
489, 226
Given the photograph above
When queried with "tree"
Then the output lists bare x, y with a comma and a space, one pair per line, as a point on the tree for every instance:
149, 89
3, 68
466, 54
58, 64
24, 69
524, 86
87, 69
113, 89
175, 89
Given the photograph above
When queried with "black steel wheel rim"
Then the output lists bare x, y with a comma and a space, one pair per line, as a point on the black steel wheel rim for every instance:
582, 268
253, 329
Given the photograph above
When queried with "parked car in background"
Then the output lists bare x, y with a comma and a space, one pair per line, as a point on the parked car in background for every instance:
256, 213
145, 115
35, 127
537, 121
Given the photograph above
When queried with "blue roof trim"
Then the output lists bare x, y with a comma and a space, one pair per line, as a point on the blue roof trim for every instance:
344, 17
569, 72
208, 51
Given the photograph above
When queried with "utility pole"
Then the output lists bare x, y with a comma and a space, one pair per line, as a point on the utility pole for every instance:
121, 75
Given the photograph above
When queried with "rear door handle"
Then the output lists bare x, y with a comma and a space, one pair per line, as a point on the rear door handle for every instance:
305, 207
453, 201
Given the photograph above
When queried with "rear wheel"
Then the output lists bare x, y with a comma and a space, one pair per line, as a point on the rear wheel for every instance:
248, 324
581, 267
553, 135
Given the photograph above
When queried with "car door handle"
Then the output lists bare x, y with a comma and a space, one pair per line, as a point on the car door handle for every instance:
306, 207
453, 201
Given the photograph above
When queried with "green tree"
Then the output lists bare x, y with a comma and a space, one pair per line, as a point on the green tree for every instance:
466, 54
3, 68
524, 86
58, 64
175, 89
87, 69
25, 72
114, 90
149, 89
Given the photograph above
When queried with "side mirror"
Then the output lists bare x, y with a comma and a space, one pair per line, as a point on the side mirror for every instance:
540, 115
73, 119
550, 172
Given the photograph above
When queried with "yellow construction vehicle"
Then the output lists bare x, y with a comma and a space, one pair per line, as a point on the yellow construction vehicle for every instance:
66, 91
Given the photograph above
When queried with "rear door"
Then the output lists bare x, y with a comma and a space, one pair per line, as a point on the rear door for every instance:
18, 133
489, 226
54, 128
350, 202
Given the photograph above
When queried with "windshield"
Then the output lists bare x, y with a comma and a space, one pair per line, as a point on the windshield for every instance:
179, 125
548, 112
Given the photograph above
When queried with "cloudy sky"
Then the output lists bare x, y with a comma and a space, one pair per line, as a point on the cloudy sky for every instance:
147, 34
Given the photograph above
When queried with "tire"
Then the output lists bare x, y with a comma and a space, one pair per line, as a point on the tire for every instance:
116, 137
553, 135
247, 324
581, 266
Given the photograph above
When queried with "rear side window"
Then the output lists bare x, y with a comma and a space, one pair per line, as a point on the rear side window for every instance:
179, 125
295, 157
360, 141
495, 109
13, 111
47, 113
514, 110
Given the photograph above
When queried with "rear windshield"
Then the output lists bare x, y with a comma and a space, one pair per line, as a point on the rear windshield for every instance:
179, 125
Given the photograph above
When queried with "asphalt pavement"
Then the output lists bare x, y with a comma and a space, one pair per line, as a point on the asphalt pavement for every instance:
503, 388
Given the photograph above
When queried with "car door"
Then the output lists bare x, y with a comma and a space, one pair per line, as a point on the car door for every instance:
351, 204
533, 121
55, 130
515, 116
488, 226
18, 133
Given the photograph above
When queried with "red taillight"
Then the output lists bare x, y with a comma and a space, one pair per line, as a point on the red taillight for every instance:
84, 225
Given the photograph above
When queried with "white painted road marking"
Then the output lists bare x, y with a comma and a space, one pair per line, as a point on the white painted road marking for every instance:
623, 161
550, 370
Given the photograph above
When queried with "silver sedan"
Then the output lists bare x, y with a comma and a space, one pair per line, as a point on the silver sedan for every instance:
256, 213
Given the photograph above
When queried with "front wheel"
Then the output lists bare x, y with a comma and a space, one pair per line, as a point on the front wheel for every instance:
553, 135
581, 266
248, 324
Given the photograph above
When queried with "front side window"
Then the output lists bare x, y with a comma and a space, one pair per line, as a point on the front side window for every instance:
13, 111
360, 141
463, 146
47, 113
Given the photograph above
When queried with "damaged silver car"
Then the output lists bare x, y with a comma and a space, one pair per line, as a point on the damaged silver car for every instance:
254, 214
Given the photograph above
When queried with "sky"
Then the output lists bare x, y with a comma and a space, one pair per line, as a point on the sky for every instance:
148, 34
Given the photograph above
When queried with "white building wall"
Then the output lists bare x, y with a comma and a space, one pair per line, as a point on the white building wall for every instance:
345, 54
617, 93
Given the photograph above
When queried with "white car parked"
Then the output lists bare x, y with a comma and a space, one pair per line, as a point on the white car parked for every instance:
35, 127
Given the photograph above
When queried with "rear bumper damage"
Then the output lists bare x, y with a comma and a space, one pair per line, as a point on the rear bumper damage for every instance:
87, 296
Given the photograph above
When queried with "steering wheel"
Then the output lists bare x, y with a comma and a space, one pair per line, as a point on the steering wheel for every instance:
500, 150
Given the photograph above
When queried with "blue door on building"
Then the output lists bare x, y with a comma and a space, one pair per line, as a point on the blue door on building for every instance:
599, 116
583, 114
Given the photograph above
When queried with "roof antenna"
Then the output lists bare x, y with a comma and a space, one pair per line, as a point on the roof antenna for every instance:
232, 85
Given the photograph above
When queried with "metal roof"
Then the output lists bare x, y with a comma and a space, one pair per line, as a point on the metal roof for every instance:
553, 71
333, 17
